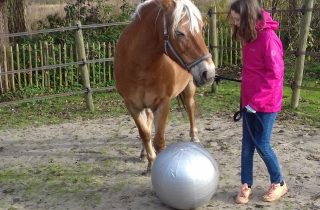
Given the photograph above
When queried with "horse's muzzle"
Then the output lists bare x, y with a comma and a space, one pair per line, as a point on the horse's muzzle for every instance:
203, 73
208, 76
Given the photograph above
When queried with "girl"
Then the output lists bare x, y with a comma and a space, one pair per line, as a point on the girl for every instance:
261, 93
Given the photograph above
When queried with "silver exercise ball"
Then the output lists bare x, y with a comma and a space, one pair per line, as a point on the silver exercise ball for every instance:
184, 175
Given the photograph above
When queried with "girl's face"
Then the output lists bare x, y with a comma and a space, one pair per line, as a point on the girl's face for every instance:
236, 18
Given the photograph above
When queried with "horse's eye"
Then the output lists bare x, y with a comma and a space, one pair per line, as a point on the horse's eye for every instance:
179, 34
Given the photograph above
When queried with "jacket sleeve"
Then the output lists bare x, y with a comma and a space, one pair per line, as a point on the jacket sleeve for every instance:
273, 73
274, 59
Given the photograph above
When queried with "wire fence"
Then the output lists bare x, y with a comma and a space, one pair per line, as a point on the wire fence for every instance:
62, 29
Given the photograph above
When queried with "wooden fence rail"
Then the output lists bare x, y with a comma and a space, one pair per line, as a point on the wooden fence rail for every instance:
18, 57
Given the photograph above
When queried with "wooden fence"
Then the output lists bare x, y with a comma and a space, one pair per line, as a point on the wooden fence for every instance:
20, 57
26, 66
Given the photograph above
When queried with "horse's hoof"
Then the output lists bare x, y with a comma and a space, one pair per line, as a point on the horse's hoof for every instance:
143, 158
195, 140
159, 150
146, 173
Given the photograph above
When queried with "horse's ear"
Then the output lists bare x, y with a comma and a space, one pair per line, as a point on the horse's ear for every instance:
167, 4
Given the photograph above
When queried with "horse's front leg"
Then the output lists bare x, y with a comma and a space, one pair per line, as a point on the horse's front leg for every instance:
188, 99
149, 120
139, 116
160, 123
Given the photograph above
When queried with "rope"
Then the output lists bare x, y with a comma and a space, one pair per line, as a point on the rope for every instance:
297, 53
219, 78
291, 85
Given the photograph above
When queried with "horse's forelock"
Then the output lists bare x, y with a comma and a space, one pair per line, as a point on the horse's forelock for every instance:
182, 8
185, 8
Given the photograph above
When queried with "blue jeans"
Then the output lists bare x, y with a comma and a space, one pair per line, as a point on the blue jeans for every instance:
257, 130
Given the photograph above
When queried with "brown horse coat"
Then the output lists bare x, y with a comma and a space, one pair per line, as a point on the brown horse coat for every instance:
147, 77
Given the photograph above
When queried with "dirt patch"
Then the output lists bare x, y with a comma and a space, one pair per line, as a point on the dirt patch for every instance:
95, 165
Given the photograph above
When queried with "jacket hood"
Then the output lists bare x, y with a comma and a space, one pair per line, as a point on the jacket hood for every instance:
267, 22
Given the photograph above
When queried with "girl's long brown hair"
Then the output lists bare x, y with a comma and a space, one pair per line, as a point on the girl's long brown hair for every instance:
250, 12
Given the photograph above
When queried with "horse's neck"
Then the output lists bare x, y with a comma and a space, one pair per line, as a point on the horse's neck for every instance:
149, 32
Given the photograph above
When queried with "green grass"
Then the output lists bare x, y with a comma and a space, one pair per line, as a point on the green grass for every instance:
57, 180
59, 110
109, 104
224, 103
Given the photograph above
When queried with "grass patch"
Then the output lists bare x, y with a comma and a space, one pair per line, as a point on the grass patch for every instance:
59, 110
56, 180
109, 104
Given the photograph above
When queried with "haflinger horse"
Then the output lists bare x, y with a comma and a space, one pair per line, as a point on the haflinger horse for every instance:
160, 55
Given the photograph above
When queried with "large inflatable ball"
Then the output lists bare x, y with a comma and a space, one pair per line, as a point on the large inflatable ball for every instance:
184, 175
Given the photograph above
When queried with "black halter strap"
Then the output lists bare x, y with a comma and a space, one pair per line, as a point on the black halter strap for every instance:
168, 46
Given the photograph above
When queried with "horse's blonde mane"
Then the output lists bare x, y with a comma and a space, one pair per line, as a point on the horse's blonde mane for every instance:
183, 8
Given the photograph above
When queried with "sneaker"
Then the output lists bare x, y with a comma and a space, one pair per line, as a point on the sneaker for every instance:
244, 194
275, 192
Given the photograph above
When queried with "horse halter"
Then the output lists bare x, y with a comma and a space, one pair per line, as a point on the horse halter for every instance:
168, 45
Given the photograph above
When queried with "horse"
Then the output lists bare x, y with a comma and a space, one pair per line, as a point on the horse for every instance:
161, 54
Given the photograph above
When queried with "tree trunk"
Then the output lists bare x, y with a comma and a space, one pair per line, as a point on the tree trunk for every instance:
292, 4
293, 20
17, 16
4, 41
274, 5
3, 22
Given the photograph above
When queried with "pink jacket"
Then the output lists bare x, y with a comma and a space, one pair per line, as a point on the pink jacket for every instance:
263, 68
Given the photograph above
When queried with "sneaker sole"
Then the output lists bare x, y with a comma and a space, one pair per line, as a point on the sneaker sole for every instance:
266, 200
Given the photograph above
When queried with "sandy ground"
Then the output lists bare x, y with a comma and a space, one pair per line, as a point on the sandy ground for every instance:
114, 144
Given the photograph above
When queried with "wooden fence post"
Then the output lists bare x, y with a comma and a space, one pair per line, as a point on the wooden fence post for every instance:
1, 87
30, 65
83, 67
5, 66
13, 85
302, 45
213, 34
213, 38
36, 63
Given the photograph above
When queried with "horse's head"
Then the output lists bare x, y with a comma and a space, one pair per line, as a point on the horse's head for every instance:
182, 23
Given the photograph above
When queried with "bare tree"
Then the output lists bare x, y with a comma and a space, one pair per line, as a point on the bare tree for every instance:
3, 23
274, 5
4, 41
17, 16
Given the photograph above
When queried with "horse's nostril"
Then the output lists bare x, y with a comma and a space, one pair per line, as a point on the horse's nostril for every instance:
208, 75
204, 75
